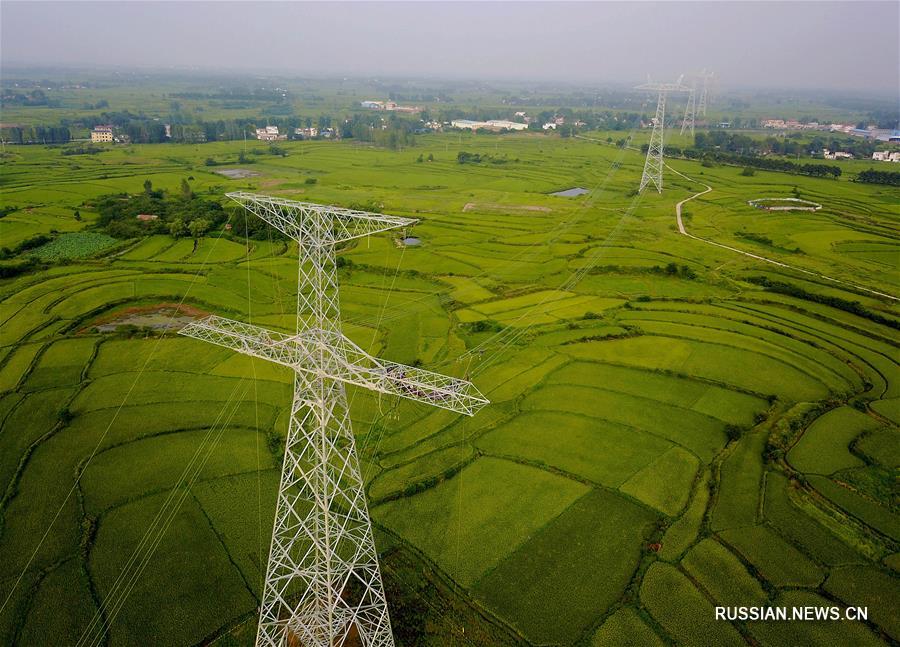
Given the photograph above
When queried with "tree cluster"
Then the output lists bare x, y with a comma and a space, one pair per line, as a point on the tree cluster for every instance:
871, 176
763, 163
181, 215
35, 134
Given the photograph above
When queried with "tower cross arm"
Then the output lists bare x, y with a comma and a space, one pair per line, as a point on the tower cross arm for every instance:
336, 357
316, 224
348, 362
247, 339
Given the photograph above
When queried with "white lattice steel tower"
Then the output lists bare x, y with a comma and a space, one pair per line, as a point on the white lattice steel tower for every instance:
653, 164
705, 78
323, 584
689, 110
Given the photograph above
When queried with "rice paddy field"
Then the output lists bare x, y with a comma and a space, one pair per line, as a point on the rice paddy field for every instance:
659, 441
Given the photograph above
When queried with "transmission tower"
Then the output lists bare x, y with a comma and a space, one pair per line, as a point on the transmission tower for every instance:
705, 78
323, 584
653, 165
689, 110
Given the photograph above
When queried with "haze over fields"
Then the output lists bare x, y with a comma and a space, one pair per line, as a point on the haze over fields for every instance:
829, 45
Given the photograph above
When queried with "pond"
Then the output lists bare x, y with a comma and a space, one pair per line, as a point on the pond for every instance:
571, 193
411, 242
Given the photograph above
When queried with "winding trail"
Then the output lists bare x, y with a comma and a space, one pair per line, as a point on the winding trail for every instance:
683, 231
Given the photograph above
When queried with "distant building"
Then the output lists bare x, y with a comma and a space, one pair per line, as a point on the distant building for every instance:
466, 124
147, 217
886, 156
503, 124
491, 124
102, 134
836, 155
306, 133
269, 134
551, 125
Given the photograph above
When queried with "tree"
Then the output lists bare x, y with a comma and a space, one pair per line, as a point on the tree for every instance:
430, 157
748, 172
77, 215
198, 227
177, 228
148, 187
186, 191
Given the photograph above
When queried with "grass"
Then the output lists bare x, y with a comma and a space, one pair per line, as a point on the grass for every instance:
722, 574
799, 632
127, 471
775, 559
494, 504
582, 446
682, 610
611, 399
187, 561
869, 587
881, 518
665, 484
61, 364
824, 447
595, 545
740, 481
684, 530
625, 628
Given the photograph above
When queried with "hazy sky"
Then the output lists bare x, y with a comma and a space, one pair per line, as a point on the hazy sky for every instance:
841, 45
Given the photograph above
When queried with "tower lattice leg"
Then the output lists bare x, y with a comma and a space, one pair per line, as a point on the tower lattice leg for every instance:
653, 164
323, 583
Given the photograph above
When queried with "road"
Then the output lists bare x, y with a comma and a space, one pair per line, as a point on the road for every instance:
683, 231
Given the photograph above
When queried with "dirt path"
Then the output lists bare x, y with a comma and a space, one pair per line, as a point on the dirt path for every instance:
683, 231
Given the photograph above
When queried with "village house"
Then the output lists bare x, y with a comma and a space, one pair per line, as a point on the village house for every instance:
102, 134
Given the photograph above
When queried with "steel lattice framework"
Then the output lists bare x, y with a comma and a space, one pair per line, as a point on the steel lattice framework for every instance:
705, 77
323, 582
690, 110
653, 164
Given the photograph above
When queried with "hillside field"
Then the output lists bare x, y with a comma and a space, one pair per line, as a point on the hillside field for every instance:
670, 428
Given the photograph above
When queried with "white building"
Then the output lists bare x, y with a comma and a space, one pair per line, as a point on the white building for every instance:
500, 124
549, 126
268, 134
467, 123
491, 124
837, 155
886, 156
372, 105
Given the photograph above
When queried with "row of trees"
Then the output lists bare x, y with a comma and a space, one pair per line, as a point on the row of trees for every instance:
35, 134
871, 176
795, 144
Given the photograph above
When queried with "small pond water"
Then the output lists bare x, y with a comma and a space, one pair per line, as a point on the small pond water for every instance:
411, 242
571, 193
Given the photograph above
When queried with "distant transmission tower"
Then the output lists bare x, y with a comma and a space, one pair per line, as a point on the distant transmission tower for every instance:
689, 110
705, 78
323, 584
653, 165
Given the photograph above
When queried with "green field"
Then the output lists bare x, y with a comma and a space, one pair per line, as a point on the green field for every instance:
657, 444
